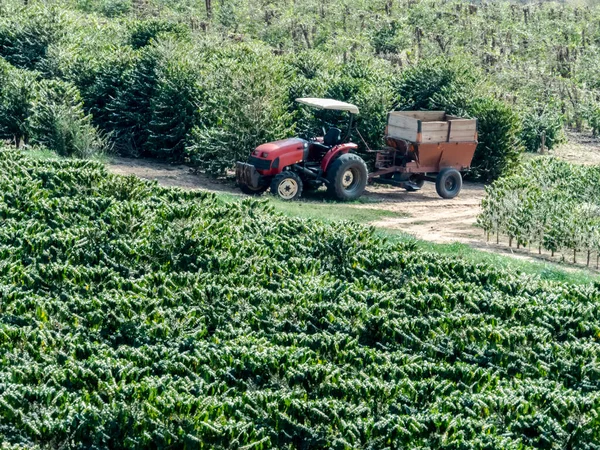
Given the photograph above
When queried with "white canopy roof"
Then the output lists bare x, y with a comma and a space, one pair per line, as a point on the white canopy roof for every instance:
328, 103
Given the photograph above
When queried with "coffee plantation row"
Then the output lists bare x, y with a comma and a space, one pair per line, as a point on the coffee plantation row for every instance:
136, 316
549, 204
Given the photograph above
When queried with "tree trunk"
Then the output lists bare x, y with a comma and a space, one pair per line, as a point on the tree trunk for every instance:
588, 258
419, 35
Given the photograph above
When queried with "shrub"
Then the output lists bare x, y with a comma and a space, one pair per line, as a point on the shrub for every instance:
145, 31
108, 8
246, 105
58, 121
24, 39
176, 99
128, 113
437, 83
388, 38
593, 117
17, 90
499, 148
541, 120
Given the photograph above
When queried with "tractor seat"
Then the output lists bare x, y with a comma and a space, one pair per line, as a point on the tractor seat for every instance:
331, 138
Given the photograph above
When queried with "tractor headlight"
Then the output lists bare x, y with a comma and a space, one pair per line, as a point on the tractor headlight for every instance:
264, 154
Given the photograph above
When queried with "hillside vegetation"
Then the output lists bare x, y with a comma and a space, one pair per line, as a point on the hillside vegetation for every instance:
134, 316
205, 82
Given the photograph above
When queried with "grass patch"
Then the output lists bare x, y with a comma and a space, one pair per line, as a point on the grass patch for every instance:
317, 206
331, 211
42, 153
545, 270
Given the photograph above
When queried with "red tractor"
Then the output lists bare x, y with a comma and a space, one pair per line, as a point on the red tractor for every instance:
289, 166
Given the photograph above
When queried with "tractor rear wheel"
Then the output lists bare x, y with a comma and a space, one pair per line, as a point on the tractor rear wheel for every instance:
448, 183
347, 177
287, 186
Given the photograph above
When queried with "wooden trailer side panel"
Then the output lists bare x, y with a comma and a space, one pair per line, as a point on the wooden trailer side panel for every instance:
424, 116
434, 132
401, 126
461, 130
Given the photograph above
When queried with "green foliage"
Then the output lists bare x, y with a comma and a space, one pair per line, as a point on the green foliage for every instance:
176, 100
58, 121
25, 37
389, 39
129, 112
245, 106
143, 32
541, 120
108, 8
546, 203
17, 91
438, 84
138, 316
593, 117
499, 147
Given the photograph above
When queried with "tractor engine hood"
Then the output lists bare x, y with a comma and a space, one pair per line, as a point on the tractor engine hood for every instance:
272, 157
279, 146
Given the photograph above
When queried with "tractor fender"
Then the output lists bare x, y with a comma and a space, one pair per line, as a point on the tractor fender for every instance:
335, 152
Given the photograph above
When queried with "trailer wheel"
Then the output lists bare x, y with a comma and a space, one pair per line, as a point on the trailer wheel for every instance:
249, 190
448, 183
287, 186
347, 177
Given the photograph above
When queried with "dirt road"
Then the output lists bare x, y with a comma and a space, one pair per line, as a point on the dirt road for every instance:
423, 214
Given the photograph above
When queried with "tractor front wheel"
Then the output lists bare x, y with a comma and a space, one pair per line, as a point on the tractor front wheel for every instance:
448, 183
347, 177
287, 186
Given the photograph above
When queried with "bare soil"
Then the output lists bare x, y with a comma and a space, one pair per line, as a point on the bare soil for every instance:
581, 148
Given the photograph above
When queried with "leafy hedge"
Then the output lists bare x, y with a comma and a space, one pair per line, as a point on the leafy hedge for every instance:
165, 81
135, 316
48, 112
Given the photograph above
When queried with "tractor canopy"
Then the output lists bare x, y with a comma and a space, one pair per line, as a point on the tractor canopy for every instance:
329, 103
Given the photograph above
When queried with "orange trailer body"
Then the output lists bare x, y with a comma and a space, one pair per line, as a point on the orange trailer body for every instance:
420, 142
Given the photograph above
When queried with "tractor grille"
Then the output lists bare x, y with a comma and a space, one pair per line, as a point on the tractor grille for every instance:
260, 164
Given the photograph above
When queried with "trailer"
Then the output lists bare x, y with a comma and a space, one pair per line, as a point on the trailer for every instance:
425, 146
